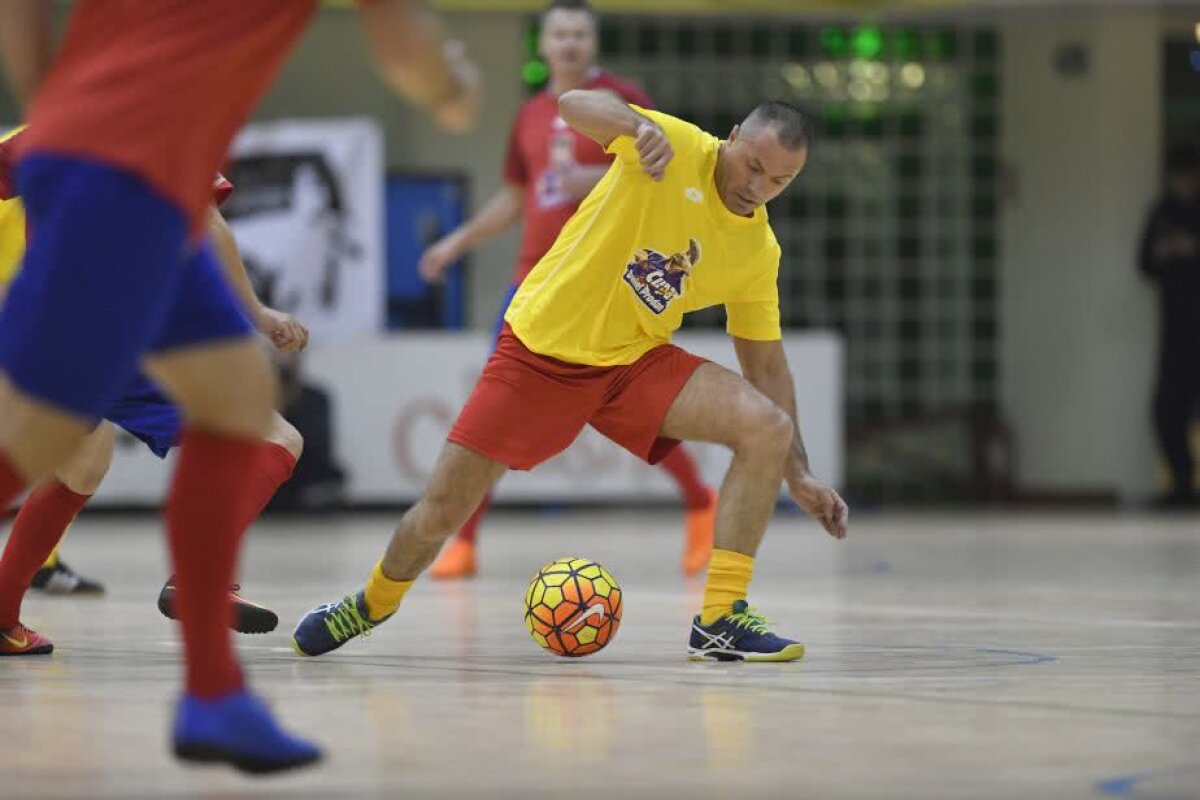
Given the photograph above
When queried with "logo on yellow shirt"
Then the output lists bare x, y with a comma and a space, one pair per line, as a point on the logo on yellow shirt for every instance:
657, 279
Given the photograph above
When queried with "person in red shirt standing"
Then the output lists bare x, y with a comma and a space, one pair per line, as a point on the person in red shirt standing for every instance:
125, 135
548, 171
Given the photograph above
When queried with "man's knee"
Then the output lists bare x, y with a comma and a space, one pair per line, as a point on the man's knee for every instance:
766, 431
85, 471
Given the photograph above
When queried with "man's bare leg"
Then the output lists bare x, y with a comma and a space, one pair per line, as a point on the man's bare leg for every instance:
719, 406
35, 436
459, 482
52, 507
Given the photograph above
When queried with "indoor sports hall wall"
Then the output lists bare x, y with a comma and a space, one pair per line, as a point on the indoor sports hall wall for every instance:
1078, 343
1062, 339
394, 398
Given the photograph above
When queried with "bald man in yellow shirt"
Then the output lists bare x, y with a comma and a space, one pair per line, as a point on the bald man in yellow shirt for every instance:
677, 224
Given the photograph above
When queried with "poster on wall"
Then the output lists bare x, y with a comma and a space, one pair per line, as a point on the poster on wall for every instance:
307, 211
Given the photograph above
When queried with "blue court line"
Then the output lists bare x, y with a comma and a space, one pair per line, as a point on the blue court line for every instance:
1126, 785
1030, 658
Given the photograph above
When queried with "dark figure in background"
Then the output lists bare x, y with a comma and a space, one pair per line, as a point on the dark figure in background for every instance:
1170, 257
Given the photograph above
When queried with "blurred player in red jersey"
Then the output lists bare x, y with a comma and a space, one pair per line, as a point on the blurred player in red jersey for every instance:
146, 413
125, 135
549, 169
26, 46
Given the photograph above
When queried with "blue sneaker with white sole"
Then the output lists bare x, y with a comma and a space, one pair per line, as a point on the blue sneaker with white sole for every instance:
741, 635
238, 730
330, 626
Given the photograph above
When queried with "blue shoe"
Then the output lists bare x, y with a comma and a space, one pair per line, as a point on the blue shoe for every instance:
740, 635
328, 627
239, 730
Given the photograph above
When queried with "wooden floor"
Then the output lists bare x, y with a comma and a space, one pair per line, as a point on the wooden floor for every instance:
958, 656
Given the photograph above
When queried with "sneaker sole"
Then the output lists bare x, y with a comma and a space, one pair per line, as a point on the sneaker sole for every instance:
86, 591
251, 621
793, 652
44, 650
251, 765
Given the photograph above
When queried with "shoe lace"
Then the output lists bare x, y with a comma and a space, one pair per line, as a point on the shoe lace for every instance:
751, 620
345, 621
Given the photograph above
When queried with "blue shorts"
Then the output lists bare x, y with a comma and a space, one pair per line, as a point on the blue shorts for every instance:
504, 304
147, 413
109, 276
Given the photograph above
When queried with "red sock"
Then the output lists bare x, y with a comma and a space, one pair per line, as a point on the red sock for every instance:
683, 469
470, 528
16, 558
276, 465
214, 487
40, 525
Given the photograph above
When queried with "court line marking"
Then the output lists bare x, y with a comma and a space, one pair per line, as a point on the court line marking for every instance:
1126, 785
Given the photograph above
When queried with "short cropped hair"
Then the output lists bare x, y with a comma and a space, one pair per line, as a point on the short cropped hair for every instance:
568, 5
792, 126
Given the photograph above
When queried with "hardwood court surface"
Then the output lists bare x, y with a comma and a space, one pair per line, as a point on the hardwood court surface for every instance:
949, 655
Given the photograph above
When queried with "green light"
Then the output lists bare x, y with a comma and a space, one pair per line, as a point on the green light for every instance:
867, 42
535, 72
834, 42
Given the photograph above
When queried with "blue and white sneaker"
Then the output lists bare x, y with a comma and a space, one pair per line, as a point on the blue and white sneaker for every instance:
740, 635
328, 627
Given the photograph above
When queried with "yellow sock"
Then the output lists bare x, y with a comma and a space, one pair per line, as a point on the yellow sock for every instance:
52, 559
729, 575
384, 594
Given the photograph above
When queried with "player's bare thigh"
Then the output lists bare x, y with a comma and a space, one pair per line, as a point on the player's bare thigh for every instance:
35, 436
226, 387
717, 405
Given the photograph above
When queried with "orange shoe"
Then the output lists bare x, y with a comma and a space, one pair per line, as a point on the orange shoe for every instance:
21, 641
697, 549
456, 562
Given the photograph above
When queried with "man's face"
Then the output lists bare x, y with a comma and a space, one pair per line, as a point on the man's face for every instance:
568, 42
756, 168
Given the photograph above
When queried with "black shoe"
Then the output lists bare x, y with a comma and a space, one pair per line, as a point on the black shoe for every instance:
61, 579
248, 617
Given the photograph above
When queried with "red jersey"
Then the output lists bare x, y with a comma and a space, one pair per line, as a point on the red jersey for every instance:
160, 88
539, 146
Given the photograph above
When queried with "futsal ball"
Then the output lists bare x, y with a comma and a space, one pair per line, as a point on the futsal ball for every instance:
573, 607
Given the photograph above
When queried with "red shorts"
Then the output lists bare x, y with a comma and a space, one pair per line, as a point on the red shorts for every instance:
527, 408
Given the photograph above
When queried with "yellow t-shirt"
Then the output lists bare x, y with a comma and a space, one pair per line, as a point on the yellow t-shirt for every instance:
12, 239
12, 232
640, 253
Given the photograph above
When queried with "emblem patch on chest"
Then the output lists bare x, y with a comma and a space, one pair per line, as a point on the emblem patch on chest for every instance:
657, 279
